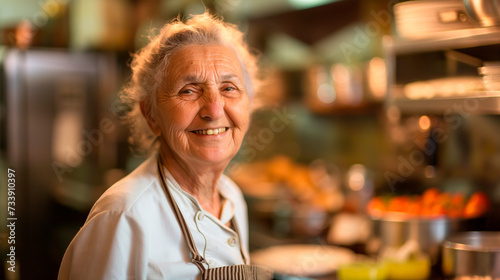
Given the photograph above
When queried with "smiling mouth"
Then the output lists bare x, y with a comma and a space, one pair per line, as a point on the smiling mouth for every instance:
211, 131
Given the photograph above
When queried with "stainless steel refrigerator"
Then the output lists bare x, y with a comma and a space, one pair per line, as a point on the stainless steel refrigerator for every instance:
58, 133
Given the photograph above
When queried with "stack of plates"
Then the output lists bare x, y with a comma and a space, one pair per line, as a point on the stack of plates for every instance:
491, 75
305, 260
443, 87
424, 18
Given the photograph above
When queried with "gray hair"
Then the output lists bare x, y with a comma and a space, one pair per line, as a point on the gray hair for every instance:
150, 63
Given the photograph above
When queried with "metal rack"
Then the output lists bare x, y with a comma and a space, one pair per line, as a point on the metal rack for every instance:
474, 102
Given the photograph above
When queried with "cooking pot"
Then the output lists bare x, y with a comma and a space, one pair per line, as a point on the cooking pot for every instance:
300, 220
485, 12
429, 233
473, 253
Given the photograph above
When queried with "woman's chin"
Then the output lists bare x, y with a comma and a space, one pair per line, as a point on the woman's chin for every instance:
214, 157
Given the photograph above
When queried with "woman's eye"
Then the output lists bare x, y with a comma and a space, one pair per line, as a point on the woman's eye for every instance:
229, 88
187, 91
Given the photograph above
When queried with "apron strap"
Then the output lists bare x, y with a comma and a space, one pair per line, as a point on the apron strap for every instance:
196, 258
237, 229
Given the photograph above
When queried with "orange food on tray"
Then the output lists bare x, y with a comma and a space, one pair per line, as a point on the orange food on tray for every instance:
477, 205
431, 204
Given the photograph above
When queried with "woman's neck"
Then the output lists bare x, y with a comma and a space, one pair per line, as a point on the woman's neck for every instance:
197, 179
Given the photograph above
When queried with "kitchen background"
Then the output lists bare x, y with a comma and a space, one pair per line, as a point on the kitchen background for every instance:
356, 93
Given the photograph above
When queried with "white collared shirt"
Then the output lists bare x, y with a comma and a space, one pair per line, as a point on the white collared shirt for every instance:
132, 232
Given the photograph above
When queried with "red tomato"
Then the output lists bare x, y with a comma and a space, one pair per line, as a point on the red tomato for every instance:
429, 196
437, 210
456, 208
415, 207
477, 205
399, 204
376, 207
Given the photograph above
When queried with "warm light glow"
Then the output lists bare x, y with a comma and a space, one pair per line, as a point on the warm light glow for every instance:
326, 93
341, 82
429, 171
305, 4
393, 114
356, 177
424, 123
377, 78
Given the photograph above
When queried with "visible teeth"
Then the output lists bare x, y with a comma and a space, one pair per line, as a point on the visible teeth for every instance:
210, 131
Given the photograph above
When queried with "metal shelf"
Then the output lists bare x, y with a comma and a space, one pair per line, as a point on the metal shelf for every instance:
479, 102
455, 39
475, 103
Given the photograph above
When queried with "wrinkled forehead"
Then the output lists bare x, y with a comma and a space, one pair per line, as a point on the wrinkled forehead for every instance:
196, 60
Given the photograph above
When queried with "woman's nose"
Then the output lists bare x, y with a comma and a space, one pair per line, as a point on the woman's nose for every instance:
212, 107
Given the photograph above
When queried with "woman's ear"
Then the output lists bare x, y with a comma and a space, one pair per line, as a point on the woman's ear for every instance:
148, 115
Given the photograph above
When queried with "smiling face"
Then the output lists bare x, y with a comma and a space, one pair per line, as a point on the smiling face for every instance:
203, 109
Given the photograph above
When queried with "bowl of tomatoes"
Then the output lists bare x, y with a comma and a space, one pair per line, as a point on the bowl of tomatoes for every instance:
428, 218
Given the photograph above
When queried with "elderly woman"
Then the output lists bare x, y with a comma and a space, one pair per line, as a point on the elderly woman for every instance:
177, 216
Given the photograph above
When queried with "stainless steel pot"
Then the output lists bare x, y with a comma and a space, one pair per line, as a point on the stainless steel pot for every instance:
300, 221
429, 233
474, 253
485, 12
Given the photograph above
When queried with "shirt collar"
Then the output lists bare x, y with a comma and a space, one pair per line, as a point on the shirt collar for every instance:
227, 210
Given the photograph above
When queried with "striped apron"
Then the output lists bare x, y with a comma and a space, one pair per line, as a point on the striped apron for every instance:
239, 272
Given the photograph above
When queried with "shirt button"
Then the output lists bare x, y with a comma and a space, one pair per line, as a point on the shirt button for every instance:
200, 216
231, 241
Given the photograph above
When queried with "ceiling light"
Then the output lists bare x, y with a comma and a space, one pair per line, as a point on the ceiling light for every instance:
305, 4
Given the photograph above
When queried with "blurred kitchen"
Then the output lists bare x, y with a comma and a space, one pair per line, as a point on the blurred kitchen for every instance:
369, 107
